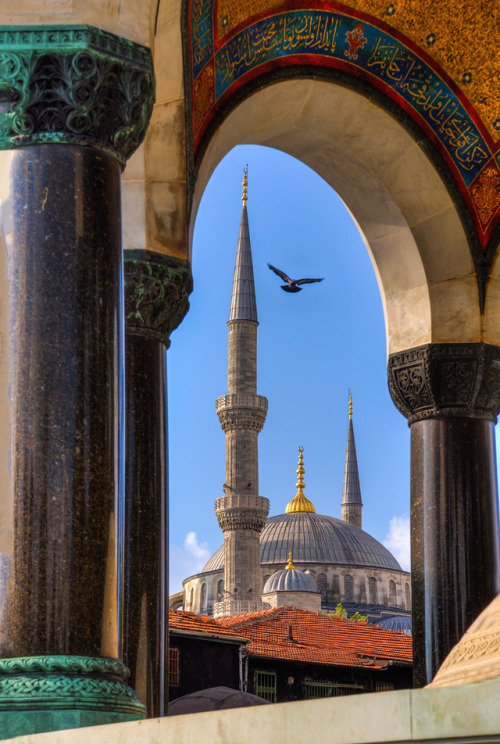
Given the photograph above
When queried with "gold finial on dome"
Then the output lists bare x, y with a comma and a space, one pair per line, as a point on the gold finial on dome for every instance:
300, 503
290, 560
244, 198
350, 404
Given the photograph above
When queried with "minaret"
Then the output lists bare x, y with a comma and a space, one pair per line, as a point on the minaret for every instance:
351, 491
241, 512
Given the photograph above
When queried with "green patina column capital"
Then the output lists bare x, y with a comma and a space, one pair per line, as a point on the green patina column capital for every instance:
45, 693
157, 288
74, 85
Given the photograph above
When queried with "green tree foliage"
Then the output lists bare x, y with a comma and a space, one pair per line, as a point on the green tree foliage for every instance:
340, 611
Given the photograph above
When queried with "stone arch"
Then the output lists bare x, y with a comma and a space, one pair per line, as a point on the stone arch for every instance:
220, 589
372, 590
396, 195
203, 597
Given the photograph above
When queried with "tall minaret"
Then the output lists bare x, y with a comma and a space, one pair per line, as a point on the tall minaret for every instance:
351, 491
241, 512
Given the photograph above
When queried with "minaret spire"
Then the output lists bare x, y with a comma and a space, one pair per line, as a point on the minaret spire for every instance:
351, 492
241, 512
243, 304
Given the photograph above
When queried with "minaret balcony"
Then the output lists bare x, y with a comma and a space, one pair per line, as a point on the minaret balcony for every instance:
241, 411
241, 512
241, 400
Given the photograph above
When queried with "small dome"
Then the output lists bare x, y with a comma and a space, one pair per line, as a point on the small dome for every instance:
289, 580
400, 623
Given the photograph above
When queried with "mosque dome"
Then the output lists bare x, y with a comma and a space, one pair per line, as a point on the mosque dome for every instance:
316, 539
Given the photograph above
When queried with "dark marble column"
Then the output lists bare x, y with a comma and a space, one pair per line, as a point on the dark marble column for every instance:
76, 105
156, 300
450, 394
65, 288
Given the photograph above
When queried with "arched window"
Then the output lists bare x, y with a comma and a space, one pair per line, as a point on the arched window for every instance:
191, 600
372, 590
348, 588
203, 597
392, 593
321, 586
408, 599
220, 589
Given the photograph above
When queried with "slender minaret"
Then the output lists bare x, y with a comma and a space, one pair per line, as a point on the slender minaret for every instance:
241, 512
351, 491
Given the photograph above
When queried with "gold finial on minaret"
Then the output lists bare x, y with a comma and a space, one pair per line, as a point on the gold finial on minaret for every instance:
290, 560
244, 198
350, 404
300, 503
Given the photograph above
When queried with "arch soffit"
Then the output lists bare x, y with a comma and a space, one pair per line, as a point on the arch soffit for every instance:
369, 50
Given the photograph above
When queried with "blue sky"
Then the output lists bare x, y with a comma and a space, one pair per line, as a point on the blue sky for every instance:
312, 347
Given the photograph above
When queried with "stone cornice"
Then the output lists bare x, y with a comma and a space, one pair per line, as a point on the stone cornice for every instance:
74, 85
446, 380
157, 288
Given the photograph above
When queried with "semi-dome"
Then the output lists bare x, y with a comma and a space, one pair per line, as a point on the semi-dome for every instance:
318, 539
400, 623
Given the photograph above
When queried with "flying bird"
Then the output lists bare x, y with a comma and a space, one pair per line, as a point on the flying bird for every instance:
292, 284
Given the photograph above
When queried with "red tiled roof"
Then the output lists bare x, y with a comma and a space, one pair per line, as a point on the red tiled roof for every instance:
181, 620
318, 638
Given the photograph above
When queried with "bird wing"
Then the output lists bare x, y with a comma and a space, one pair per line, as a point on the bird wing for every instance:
281, 274
308, 281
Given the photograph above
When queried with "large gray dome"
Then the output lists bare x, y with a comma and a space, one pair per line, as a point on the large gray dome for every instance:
315, 538
289, 580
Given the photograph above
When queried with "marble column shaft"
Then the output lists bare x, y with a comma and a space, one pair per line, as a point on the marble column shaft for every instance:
145, 621
156, 292
65, 290
450, 394
455, 571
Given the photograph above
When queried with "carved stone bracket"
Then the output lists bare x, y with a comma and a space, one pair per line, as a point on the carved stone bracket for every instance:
241, 519
157, 288
74, 85
446, 380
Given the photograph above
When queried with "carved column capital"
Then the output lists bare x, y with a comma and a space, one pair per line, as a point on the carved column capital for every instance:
74, 85
446, 380
157, 288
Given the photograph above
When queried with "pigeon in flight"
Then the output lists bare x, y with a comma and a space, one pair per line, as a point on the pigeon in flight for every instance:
292, 284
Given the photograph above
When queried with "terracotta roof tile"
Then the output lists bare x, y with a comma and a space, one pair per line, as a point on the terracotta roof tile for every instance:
318, 638
181, 620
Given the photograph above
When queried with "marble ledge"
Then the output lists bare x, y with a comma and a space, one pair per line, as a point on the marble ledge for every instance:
449, 714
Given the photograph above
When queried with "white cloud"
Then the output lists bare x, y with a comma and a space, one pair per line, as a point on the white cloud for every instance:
397, 540
186, 561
